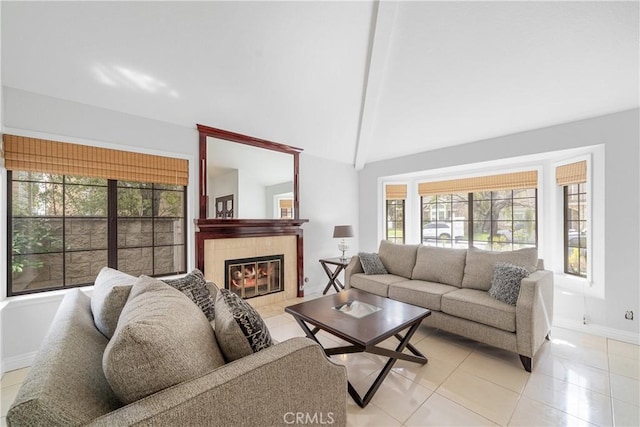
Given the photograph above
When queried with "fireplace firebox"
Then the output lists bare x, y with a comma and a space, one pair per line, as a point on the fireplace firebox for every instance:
253, 277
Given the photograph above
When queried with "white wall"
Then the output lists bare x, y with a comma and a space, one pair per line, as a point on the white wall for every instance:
619, 133
250, 197
328, 197
24, 320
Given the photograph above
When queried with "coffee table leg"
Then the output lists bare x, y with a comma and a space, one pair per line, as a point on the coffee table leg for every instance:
308, 332
404, 342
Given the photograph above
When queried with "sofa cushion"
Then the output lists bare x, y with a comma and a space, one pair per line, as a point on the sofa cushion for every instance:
162, 339
419, 292
110, 293
240, 330
371, 263
476, 305
194, 286
506, 282
440, 265
375, 283
478, 271
398, 259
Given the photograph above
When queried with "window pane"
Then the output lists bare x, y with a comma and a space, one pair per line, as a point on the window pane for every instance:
169, 259
33, 272
81, 200
524, 192
504, 232
86, 234
169, 203
503, 194
136, 261
501, 209
36, 235
83, 267
135, 202
573, 260
168, 232
524, 232
135, 232
36, 199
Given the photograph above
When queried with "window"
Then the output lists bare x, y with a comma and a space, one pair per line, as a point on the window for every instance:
572, 178
61, 234
493, 216
395, 195
286, 208
65, 227
395, 221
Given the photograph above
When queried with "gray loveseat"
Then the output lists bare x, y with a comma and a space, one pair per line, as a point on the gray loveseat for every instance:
67, 386
454, 285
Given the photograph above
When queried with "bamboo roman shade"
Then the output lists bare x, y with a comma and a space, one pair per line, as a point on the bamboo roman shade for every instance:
509, 181
40, 155
396, 192
573, 173
286, 204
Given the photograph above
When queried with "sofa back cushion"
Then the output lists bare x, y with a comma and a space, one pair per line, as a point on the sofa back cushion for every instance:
65, 385
162, 339
478, 270
440, 265
110, 292
398, 259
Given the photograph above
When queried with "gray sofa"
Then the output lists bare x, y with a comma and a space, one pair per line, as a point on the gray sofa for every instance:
454, 285
67, 385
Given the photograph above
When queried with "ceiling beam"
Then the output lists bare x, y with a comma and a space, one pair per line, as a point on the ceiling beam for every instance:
379, 46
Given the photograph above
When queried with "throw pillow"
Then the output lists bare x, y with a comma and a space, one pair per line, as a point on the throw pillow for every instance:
371, 263
240, 330
162, 339
506, 282
110, 292
194, 285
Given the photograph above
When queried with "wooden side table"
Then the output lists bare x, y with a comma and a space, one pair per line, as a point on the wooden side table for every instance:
341, 264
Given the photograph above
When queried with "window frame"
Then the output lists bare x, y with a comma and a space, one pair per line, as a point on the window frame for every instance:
389, 203
566, 227
111, 218
452, 241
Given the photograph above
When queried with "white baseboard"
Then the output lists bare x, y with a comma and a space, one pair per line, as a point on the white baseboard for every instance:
18, 362
599, 330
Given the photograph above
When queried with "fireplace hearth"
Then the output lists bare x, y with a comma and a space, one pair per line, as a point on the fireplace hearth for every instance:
253, 277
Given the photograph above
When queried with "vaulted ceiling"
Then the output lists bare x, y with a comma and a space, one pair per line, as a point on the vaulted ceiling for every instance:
356, 82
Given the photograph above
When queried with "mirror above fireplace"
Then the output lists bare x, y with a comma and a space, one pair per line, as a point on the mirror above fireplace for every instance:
243, 177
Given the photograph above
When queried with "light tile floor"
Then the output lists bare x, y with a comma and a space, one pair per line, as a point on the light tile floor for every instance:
577, 380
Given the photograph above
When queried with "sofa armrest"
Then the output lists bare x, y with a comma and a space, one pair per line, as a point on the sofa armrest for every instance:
266, 388
534, 311
355, 266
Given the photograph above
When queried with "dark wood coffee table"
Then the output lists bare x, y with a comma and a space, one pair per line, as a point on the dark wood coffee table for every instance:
381, 318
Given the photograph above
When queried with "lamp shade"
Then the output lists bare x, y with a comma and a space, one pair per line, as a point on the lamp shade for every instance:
343, 231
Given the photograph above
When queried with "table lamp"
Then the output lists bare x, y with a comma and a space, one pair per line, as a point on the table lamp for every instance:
343, 231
